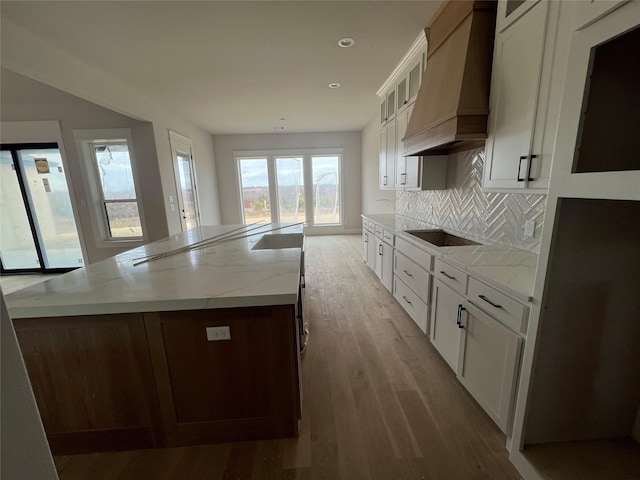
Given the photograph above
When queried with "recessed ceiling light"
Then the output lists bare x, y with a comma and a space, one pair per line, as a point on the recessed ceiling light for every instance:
334, 85
346, 42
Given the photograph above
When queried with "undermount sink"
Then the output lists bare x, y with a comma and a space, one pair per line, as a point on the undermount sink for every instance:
440, 238
279, 241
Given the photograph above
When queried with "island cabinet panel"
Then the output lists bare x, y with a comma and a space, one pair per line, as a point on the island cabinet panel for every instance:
217, 389
93, 381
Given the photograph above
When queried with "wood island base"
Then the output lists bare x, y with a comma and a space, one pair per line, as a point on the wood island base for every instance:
153, 379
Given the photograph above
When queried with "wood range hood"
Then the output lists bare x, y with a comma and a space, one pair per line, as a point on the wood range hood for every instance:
452, 106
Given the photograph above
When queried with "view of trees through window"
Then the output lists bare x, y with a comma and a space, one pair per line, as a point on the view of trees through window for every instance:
316, 202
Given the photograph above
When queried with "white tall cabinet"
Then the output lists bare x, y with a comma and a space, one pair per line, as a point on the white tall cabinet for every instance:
583, 331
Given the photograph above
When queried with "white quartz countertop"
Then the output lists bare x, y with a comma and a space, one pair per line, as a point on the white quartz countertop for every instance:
225, 275
509, 269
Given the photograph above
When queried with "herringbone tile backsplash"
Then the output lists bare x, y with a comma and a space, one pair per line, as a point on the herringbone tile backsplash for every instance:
465, 208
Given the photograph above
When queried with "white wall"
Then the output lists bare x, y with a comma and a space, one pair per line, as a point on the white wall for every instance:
374, 200
23, 446
24, 53
229, 185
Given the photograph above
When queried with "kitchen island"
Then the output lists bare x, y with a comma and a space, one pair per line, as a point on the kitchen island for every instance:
195, 347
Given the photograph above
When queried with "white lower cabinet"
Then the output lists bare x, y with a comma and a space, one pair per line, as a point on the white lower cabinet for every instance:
445, 331
412, 281
369, 248
384, 263
482, 350
412, 303
477, 328
488, 363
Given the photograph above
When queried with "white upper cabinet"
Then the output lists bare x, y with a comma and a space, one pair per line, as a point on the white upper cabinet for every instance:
407, 168
514, 99
387, 156
528, 73
511, 10
409, 82
397, 98
391, 105
589, 11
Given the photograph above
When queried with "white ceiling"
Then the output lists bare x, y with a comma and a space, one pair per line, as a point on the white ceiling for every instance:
238, 66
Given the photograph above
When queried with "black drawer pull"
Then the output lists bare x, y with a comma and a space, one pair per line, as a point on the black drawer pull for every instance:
407, 273
447, 275
406, 300
495, 305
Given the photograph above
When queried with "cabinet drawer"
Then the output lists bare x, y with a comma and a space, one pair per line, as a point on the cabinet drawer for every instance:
503, 308
416, 254
365, 224
417, 279
388, 237
451, 276
369, 225
379, 230
416, 308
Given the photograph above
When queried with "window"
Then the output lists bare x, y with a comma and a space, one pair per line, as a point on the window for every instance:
118, 193
326, 189
291, 186
256, 203
111, 177
290, 178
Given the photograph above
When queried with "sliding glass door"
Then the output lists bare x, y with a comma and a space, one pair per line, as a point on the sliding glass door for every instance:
37, 227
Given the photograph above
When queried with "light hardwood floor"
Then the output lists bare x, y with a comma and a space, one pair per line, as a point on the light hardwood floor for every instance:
379, 402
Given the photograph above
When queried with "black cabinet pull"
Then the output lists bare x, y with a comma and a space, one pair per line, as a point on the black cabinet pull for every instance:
447, 275
523, 157
458, 317
407, 273
495, 305
406, 300
529, 169
460, 325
